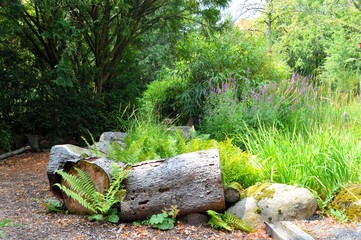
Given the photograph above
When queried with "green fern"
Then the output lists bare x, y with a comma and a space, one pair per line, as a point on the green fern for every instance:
82, 189
236, 223
227, 221
216, 221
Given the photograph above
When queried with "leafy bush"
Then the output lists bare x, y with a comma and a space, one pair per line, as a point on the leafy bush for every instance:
342, 65
229, 112
179, 90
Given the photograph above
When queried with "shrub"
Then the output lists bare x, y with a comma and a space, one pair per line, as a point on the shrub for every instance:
201, 59
229, 112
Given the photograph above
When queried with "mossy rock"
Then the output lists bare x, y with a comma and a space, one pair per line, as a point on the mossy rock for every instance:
348, 200
259, 191
274, 202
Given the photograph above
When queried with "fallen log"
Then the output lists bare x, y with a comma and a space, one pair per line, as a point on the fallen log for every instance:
190, 181
15, 152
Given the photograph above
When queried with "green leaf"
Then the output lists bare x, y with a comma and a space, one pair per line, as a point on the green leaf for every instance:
96, 217
157, 218
113, 218
167, 224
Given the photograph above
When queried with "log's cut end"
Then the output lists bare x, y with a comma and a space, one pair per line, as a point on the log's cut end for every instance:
191, 181
98, 170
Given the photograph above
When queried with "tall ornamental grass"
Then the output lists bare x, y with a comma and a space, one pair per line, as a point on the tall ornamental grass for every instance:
322, 159
318, 144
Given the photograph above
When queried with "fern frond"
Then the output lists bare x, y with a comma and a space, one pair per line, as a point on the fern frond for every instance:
82, 189
236, 223
113, 192
216, 221
76, 196
85, 184
80, 183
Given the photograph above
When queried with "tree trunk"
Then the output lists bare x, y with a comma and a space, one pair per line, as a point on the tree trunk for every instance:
190, 181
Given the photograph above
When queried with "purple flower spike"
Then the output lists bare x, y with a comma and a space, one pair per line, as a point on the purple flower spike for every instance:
275, 86
248, 70
304, 80
224, 86
244, 109
302, 90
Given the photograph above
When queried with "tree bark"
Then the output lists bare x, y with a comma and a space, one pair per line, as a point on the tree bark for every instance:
190, 181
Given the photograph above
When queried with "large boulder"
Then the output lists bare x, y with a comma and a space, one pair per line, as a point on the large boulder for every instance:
348, 200
274, 202
107, 139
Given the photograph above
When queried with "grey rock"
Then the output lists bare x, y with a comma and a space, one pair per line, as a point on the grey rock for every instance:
59, 154
112, 136
186, 131
273, 203
107, 139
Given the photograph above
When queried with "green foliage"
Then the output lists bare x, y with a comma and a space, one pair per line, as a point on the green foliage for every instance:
228, 114
342, 68
338, 215
82, 189
179, 90
52, 205
239, 166
149, 140
227, 221
5, 138
5, 223
317, 37
321, 159
164, 220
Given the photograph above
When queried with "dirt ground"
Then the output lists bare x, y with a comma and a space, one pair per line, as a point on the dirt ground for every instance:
23, 180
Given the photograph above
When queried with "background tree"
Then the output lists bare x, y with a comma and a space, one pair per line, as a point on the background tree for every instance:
83, 59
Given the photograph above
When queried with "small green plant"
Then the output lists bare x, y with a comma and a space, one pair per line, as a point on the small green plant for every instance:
164, 220
5, 223
339, 215
82, 189
227, 221
52, 205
